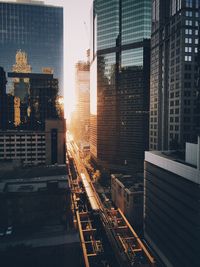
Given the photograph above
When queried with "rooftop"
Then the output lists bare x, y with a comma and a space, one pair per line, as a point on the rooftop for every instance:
29, 2
174, 155
132, 183
33, 171
47, 236
171, 162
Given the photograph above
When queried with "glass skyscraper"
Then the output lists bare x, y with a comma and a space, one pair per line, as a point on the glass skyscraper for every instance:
36, 29
120, 51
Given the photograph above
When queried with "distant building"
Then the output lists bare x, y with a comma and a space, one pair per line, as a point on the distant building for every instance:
35, 99
174, 68
36, 28
32, 125
127, 194
119, 86
171, 205
82, 83
28, 147
21, 64
35, 147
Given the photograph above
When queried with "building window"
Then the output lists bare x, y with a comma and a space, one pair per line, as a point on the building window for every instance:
188, 40
188, 3
188, 22
188, 58
188, 31
188, 13
188, 49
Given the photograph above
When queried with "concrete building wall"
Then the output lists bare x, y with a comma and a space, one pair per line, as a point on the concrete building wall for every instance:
25, 146
129, 200
32, 147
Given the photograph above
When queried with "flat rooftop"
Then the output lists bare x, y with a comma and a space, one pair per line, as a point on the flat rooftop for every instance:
172, 162
33, 171
31, 2
132, 183
48, 236
33, 179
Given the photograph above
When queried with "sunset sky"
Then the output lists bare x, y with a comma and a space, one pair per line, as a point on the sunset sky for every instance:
76, 41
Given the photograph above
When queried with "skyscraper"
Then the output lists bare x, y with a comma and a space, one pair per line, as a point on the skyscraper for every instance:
35, 28
174, 50
82, 77
119, 86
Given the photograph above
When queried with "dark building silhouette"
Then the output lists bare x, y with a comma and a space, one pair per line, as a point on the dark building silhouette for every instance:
174, 57
120, 56
38, 210
198, 89
37, 95
36, 28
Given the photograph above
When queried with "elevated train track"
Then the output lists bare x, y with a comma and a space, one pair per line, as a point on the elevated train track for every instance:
126, 245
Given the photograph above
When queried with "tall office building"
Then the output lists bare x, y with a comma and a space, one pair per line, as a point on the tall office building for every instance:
119, 86
82, 82
35, 28
174, 50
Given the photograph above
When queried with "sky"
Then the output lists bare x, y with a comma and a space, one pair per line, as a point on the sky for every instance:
76, 32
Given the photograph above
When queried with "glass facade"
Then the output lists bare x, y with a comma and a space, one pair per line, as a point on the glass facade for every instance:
106, 106
132, 57
35, 29
136, 20
121, 55
107, 31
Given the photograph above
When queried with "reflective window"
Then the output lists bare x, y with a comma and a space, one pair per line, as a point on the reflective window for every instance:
107, 25
132, 57
136, 20
35, 29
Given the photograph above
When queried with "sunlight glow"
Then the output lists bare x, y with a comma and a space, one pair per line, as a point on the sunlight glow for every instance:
76, 42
